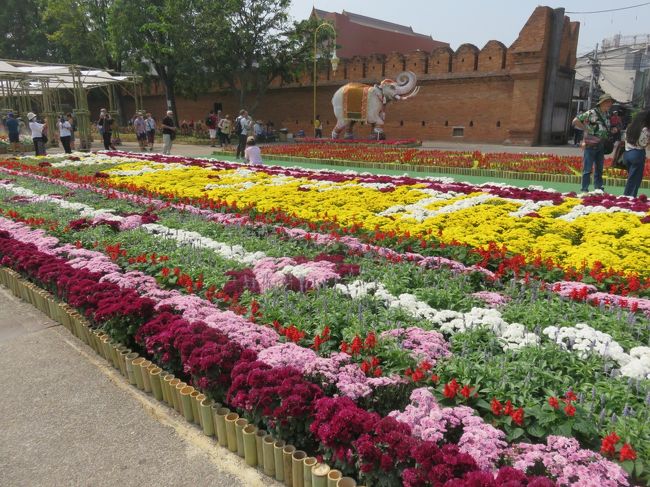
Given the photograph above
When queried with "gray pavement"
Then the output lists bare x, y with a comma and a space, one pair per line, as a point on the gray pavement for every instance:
69, 419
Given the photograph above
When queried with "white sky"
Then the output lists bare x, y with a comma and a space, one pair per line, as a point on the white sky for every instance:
478, 21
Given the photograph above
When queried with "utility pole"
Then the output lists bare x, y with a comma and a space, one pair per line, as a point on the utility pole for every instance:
595, 73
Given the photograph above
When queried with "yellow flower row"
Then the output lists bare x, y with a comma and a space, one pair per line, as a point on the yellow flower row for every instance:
617, 240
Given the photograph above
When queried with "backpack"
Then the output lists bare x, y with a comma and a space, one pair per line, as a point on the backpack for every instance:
238, 127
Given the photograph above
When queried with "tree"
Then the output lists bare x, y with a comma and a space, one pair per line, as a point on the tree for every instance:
21, 31
79, 30
157, 37
256, 43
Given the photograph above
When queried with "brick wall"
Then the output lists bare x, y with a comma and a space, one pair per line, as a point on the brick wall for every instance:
494, 94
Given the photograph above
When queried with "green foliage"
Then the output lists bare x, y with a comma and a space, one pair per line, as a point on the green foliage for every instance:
79, 29
23, 34
256, 42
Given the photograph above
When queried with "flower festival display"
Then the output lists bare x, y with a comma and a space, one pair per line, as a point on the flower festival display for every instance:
334, 325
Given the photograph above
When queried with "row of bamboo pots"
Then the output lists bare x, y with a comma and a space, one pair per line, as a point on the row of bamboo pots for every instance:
272, 456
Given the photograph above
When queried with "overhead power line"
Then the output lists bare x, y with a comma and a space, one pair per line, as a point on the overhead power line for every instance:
611, 9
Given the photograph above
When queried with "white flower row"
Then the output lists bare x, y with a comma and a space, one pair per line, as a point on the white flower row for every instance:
90, 159
420, 207
512, 336
84, 210
227, 251
581, 339
585, 340
528, 206
236, 253
580, 211
419, 212
148, 169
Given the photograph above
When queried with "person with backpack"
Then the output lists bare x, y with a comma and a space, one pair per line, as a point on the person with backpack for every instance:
243, 125
637, 139
212, 122
597, 128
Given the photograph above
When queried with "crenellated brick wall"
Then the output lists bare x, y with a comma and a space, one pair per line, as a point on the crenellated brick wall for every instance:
494, 94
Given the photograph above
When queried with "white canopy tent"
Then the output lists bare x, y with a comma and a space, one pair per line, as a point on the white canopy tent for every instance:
24, 82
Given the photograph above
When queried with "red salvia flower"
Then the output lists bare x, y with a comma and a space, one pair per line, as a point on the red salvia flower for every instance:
508, 408
466, 391
570, 410
608, 444
518, 416
497, 407
627, 453
451, 389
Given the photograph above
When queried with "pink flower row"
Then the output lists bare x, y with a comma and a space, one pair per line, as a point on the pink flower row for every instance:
347, 376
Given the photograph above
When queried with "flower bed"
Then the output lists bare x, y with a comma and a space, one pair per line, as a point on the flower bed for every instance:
362, 142
382, 359
530, 222
399, 156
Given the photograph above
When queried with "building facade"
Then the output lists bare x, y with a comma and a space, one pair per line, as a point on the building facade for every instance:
519, 94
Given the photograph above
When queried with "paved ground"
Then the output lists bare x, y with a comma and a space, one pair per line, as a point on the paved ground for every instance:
69, 419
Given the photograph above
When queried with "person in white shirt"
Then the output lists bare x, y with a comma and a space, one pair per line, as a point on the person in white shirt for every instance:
65, 132
252, 154
38, 129
637, 138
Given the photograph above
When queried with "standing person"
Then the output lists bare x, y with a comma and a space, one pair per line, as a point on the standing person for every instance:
106, 124
150, 123
616, 122
637, 138
73, 124
577, 133
38, 131
169, 132
225, 127
318, 127
596, 126
140, 128
13, 130
65, 133
243, 126
252, 154
212, 122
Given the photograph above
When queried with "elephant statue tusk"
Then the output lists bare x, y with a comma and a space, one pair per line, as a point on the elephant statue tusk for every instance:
410, 95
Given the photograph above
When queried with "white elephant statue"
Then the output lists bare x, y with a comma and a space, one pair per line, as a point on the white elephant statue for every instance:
356, 102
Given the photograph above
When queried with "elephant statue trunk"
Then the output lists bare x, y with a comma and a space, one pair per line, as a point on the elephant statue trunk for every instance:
356, 102
405, 83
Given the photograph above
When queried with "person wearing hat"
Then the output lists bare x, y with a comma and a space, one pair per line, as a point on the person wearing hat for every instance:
13, 130
38, 133
252, 154
596, 126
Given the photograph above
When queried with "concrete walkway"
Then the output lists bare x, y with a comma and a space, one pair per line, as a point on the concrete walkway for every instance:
69, 419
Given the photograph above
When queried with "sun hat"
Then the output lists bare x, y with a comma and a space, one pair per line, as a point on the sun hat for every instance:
31, 116
605, 97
